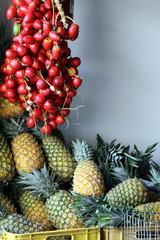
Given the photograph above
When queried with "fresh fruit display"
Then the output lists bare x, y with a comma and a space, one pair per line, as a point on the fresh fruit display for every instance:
26, 150
34, 209
58, 201
7, 166
39, 71
87, 179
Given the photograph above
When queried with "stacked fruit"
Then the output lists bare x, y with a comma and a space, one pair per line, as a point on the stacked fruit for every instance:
48, 187
39, 71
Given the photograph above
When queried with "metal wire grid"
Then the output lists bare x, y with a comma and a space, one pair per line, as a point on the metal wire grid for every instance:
140, 228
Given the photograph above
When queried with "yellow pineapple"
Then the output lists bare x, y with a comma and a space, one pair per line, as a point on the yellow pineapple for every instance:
26, 150
8, 109
34, 209
87, 179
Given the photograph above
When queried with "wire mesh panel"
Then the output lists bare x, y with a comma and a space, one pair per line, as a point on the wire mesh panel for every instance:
145, 226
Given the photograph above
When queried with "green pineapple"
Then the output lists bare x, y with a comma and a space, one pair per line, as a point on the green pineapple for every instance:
57, 153
17, 223
130, 192
58, 202
7, 166
59, 157
87, 179
150, 211
26, 150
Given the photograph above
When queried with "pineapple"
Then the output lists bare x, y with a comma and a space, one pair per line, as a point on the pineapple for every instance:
8, 109
130, 192
59, 157
7, 167
26, 150
17, 223
34, 209
42, 183
59, 209
56, 152
87, 179
150, 211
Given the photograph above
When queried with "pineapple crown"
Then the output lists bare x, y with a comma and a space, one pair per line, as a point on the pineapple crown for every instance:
82, 150
13, 126
96, 212
86, 207
136, 164
109, 156
42, 183
153, 181
114, 216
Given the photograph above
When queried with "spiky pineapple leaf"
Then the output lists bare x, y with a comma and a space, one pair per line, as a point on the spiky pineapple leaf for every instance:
144, 165
135, 164
13, 126
109, 156
153, 181
113, 216
42, 183
85, 207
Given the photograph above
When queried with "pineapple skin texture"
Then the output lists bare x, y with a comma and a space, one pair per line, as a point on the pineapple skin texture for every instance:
59, 157
27, 153
34, 209
149, 210
60, 212
7, 166
8, 109
88, 179
131, 192
19, 224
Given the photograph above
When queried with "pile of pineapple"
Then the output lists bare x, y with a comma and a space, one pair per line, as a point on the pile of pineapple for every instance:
48, 185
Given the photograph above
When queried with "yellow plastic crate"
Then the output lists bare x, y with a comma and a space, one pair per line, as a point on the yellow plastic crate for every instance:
73, 234
111, 233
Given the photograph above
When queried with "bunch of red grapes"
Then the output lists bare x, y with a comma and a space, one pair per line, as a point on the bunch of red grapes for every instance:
38, 68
